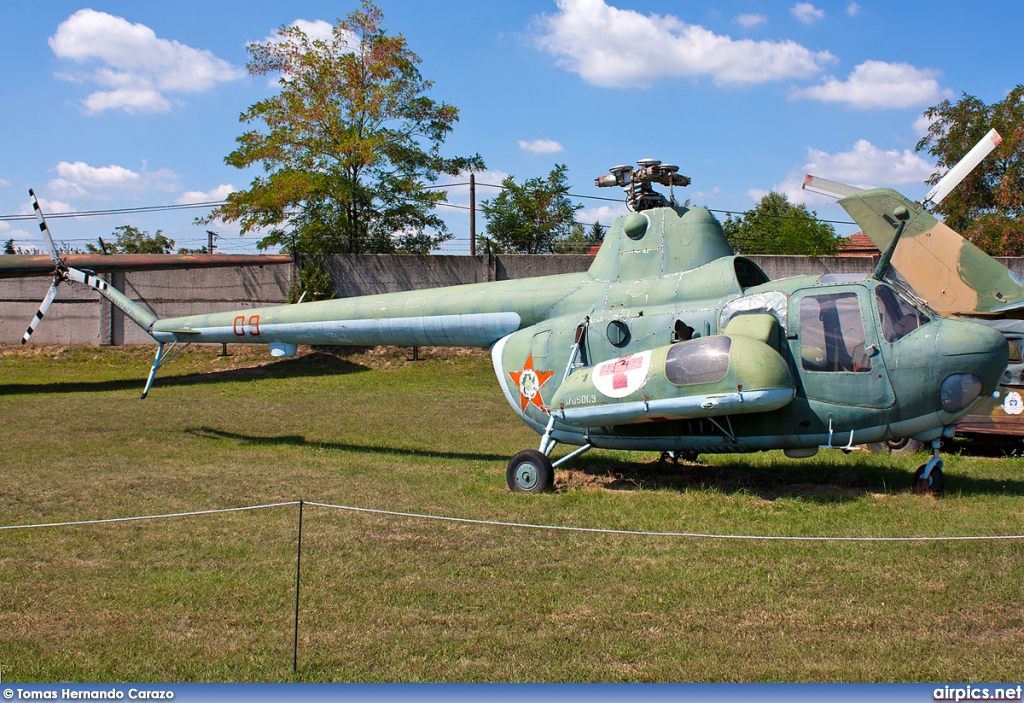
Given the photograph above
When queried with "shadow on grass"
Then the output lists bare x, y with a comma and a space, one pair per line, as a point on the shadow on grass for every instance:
309, 365
820, 483
300, 441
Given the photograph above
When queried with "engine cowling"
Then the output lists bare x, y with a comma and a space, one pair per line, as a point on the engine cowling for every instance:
704, 377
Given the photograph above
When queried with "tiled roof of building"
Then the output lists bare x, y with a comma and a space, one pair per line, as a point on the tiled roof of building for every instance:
858, 244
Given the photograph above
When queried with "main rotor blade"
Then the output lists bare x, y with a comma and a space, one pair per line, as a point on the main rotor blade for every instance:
816, 184
50, 295
963, 167
43, 228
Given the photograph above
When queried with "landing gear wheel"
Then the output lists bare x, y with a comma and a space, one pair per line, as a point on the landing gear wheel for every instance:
530, 471
934, 484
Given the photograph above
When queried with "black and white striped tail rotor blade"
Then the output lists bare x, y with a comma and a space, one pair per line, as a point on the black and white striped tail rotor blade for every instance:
50, 295
43, 228
87, 277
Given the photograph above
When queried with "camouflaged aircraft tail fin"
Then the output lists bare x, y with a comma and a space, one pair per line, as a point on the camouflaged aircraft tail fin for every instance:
952, 275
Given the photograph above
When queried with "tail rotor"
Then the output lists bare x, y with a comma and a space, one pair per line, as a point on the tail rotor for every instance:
60, 270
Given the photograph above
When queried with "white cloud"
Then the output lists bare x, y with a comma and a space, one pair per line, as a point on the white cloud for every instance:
867, 166
136, 67
317, 29
863, 166
756, 194
217, 194
20, 239
80, 180
134, 101
607, 46
807, 13
921, 125
751, 20
4, 183
878, 84
605, 214
541, 146
853, 9
83, 174
48, 206
63, 188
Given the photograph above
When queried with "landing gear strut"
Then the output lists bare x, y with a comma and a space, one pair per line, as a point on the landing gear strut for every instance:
929, 477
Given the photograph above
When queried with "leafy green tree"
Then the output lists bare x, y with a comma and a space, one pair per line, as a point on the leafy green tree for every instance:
132, 240
988, 205
9, 247
580, 240
575, 243
777, 226
346, 145
530, 218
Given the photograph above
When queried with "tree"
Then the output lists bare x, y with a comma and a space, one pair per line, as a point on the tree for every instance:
988, 205
777, 226
132, 240
575, 243
530, 218
9, 247
349, 142
579, 241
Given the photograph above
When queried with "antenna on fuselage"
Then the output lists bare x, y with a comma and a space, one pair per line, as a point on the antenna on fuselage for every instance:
637, 183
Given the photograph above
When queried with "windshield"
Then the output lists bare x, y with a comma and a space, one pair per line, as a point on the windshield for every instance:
897, 317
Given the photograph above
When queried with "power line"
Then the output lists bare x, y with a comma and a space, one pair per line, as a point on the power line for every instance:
115, 211
219, 203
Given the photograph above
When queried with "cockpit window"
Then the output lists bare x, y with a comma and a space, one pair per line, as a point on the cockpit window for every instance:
896, 316
832, 333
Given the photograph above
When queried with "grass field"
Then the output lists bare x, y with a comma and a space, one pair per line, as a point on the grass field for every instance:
385, 598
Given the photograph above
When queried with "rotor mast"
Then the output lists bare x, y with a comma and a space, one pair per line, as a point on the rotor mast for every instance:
637, 182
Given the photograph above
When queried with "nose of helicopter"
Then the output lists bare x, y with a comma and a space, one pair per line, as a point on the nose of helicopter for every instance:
974, 357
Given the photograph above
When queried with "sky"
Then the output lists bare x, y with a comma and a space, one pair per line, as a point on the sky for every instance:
117, 105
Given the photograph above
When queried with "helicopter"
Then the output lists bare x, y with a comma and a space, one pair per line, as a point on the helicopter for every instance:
669, 342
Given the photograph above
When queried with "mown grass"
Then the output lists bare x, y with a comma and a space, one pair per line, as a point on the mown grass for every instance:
385, 598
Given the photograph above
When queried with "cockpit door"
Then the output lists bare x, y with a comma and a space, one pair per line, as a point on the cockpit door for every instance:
834, 343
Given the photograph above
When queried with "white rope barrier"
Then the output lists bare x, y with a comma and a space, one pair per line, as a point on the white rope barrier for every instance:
644, 533
148, 517
534, 526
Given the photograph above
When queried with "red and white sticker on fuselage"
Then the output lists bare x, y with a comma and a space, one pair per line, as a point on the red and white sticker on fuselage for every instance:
620, 377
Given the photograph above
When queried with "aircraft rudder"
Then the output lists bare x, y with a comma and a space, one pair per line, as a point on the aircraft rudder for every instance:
952, 275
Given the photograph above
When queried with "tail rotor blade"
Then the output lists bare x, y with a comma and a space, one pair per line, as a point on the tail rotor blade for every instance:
43, 228
50, 295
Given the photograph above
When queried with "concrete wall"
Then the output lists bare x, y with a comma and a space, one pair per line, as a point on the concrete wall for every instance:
80, 316
368, 274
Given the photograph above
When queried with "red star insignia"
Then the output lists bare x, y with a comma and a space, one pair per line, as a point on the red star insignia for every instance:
530, 381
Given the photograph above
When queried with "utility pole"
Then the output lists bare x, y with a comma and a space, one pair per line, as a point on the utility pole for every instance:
472, 214
210, 236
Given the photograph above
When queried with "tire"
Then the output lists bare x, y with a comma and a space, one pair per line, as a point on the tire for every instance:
530, 471
935, 484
